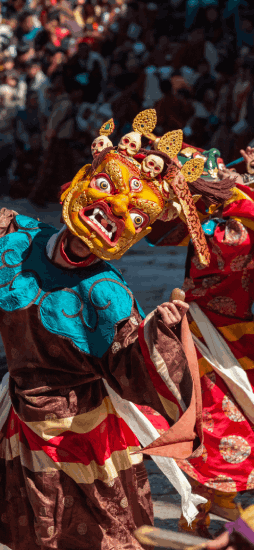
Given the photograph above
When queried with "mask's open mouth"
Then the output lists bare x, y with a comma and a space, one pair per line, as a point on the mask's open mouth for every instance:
100, 219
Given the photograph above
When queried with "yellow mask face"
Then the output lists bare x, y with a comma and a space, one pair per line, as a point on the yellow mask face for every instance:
111, 208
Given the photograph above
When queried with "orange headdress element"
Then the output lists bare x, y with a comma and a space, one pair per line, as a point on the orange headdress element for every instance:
112, 203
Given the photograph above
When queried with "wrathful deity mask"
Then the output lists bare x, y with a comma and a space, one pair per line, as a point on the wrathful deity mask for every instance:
111, 208
111, 204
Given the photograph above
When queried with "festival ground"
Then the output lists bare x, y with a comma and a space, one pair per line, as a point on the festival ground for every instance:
151, 274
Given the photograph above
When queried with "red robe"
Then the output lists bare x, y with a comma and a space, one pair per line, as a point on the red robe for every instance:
224, 291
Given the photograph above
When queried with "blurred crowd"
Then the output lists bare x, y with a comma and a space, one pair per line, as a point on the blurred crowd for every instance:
67, 66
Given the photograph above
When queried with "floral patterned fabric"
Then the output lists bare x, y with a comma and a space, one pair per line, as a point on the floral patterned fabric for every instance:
224, 292
227, 462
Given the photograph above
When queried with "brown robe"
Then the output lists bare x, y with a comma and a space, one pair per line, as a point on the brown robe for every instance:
69, 479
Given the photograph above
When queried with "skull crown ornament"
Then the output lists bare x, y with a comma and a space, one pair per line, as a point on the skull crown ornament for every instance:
130, 144
100, 143
112, 203
152, 166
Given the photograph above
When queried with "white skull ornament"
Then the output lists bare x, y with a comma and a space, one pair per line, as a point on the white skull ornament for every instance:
152, 166
99, 144
130, 144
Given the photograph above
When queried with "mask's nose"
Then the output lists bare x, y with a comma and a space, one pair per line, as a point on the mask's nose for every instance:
119, 204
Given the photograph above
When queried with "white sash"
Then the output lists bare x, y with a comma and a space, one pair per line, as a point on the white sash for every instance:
219, 355
146, 434
5, 400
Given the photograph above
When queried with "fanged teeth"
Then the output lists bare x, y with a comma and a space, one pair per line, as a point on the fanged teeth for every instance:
109, 234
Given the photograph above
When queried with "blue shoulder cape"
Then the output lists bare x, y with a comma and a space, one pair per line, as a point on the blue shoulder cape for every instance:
82, 305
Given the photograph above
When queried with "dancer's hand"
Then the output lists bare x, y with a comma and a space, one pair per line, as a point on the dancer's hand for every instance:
172, 312
222, 542
226, 173
248, 156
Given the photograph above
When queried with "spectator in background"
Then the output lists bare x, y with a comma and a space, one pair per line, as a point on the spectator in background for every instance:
88, 68
242, 131
129, 98
197, 132
50, 58
209, 19
178, 82
224, 107
191, 50
54, 28
120, 53
162, 50
205, 80
25, 52
6, 37
27, 29
14, 7
226, 75
13, 22
69, 24
78, 13
250, 101
7, 150
14, 90
38, 82
8, 64
41, 40
58, 59
57, 164
209, 103
173, 110
29, 126
89, 15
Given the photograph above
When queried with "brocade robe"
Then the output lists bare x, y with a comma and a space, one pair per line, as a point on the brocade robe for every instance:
68, 478
224, 291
